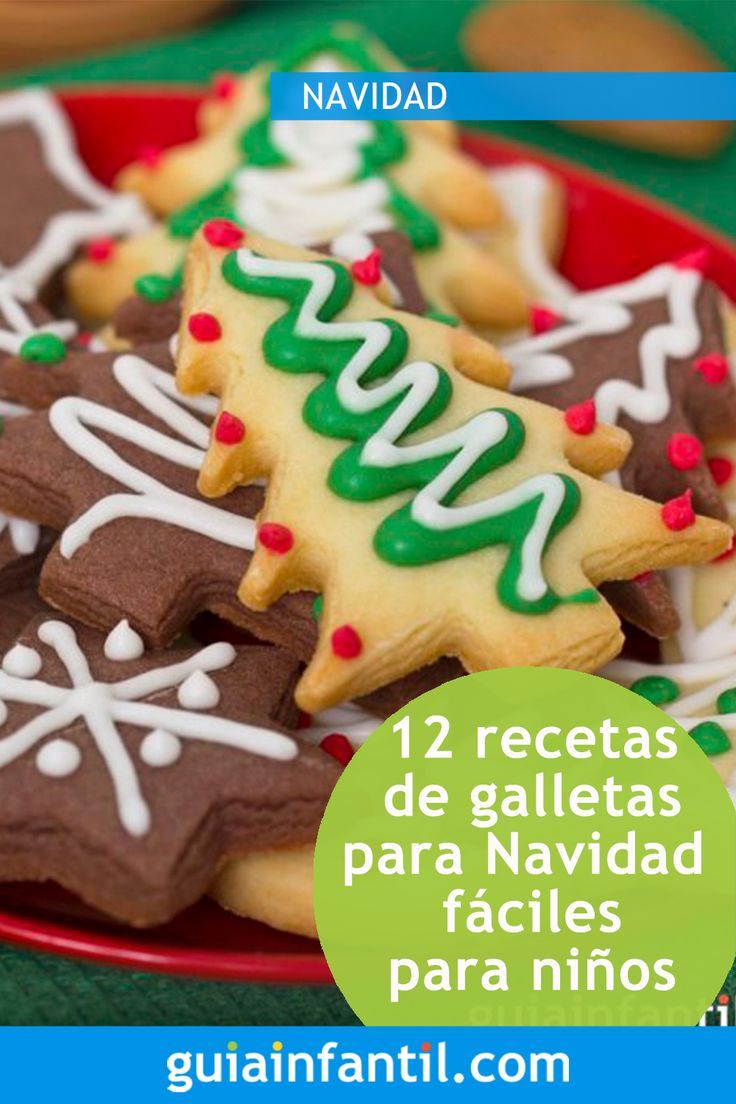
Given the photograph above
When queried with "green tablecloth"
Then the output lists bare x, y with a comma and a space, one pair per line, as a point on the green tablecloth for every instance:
42, 989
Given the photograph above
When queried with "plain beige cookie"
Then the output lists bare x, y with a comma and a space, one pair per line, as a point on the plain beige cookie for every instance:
275, 887
591, 36
408, 617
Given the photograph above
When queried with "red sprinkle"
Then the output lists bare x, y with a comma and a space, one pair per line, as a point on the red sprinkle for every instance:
368, 269
684, 451
697, 260
713, 367
149, 156
101, 249
224, 86
581, 417
728, 553
229, 429
721, 468
276, 538
346, 643
678, 513
644, 578
223, 233
204, 327
542, 319
84, 337
338, 746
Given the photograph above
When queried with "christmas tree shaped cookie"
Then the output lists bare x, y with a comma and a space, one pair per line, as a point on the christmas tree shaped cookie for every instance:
237, 130
435, 514
310, 183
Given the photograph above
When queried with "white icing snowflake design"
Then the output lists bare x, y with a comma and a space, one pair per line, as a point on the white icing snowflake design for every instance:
105, 705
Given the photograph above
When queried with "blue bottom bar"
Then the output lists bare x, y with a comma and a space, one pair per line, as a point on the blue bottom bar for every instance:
118, 1064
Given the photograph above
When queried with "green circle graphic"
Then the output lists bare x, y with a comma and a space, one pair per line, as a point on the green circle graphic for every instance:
557, 851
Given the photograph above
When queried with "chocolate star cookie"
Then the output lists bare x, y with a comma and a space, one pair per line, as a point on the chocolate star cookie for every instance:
128, 776
49, 203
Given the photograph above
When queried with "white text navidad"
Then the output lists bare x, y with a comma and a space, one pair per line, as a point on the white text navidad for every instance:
378, 95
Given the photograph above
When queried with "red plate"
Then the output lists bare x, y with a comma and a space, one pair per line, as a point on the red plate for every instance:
613, 234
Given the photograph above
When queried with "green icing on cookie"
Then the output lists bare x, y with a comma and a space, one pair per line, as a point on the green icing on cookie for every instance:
657, 689
441, 316
726, 702
43, 348
711, 738
216, 203
307, 339
155, 288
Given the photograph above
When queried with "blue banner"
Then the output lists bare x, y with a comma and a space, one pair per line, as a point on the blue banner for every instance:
118, 1065
503, 96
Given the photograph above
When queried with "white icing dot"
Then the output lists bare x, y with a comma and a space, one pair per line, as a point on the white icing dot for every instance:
198, 692
22, 662
123, 643
58, 758
160, 748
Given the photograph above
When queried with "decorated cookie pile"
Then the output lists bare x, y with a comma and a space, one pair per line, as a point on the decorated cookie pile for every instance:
289, 474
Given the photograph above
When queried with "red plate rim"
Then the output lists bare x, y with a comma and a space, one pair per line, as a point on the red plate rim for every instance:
52, 937
133, 950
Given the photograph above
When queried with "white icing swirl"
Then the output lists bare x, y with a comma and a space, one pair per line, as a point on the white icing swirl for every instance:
316, 195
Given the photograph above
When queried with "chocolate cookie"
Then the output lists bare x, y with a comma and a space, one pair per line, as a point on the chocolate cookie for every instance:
648, 355
113, 463
49, 203
159, 556
19, 605
128, 776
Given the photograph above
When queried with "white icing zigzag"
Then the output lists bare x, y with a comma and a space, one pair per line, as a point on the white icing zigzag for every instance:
75, 420
18, 325
316, 195
104, 706
522, 190
416, 382
110, 213
536, 362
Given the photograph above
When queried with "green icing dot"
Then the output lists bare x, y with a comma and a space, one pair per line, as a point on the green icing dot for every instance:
657, 689
154, 288
726, 702
43, 348
711, 738
317, 606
